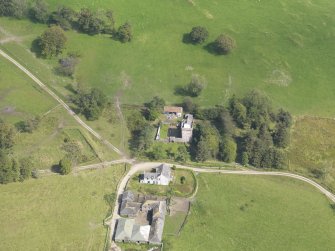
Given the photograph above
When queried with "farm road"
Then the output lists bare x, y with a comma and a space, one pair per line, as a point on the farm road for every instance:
59, 100
149, 165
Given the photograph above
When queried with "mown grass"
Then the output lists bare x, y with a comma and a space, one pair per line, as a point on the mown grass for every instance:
312, 150
283, 49
57, 213
175, 188
256, 213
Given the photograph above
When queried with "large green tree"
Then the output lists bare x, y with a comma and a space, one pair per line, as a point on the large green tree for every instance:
224, 44
52, 42
228, 149
198, 34
13, 8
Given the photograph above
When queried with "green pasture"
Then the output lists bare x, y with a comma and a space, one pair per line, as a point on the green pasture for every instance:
283, 48
256, 213
57, 213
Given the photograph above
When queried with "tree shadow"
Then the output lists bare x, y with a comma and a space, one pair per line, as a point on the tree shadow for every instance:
186, 39
210, 47
55, 168
35, 48
70, 88
180, 91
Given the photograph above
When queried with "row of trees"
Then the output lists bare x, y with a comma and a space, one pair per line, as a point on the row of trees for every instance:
223, 44
11, 170
85, 20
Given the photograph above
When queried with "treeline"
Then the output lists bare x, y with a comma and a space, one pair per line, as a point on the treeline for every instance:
85, 20
248, 131
11, 169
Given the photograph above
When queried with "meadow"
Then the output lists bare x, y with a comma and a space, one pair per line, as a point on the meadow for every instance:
312, 149
256, 213
283, 49
57, 213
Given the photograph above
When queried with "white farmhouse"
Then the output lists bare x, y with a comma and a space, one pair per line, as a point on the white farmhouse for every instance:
161, 176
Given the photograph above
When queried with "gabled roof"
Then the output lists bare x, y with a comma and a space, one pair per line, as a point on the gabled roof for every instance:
156, 231
128, 196
129, 208
140, 233
124, 229
159, 210
173, 109
164, 170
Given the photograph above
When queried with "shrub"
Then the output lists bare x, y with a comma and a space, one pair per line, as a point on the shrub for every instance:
182, 179
198, 35
195, 87
67, 65
65, 166
224, 44
125, 33
39, 11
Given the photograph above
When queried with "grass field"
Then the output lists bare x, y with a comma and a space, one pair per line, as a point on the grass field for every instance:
256, 213
283, 49
312, 150
57, 213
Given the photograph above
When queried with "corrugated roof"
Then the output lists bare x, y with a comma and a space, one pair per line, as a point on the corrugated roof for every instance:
173, 109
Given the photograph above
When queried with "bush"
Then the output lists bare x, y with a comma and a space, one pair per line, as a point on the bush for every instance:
13, 8
198, 35
125, 33
182, 179
67, 65
52, 41
63, 17
65, 166
224, 44
39, 11
195, 87
30, 124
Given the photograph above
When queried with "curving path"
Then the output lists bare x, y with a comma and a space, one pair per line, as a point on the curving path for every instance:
149, 165
59, 100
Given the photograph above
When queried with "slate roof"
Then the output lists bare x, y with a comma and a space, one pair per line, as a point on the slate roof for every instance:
124, 229
164, 170
129, 208
156, 231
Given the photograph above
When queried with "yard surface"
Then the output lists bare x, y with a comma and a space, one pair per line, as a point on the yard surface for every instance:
57, 213
283, 48
176, 187
256, 213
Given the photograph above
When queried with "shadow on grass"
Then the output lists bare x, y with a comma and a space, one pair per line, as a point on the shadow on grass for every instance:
180, 91
210, 48
186, 39
55, 168
35, 48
